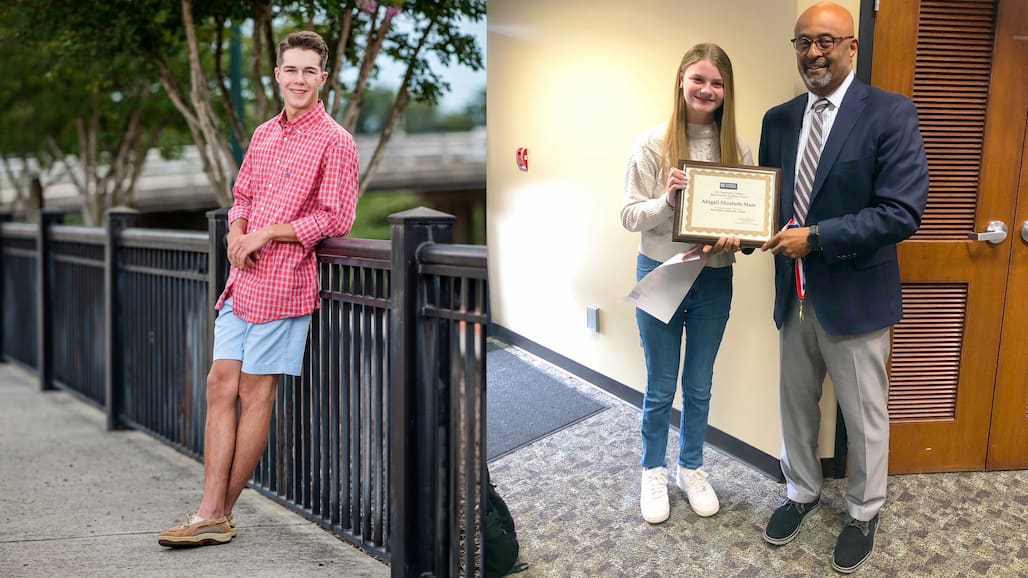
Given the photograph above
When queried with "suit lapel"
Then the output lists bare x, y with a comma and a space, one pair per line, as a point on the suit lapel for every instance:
851, 109
794, 121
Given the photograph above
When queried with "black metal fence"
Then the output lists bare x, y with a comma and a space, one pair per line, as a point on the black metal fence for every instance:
18, 276
76, 305
328, 452
161, 333
381, 440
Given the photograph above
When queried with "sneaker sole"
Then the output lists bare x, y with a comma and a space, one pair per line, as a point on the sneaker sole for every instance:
789, 538
657, 520
853, 568
193, 541
705, 513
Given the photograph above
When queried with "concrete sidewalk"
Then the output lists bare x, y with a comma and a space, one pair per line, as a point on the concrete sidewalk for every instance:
76, 500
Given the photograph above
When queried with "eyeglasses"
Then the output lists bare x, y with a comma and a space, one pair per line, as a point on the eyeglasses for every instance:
825, 42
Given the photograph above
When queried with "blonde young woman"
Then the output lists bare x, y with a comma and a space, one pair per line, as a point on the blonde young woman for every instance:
701, 128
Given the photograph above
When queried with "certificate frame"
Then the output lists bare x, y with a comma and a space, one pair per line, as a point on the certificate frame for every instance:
722, 200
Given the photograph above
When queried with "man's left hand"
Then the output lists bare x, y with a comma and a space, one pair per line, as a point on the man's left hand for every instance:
790, 242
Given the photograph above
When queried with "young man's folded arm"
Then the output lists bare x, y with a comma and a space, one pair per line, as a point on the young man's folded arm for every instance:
336, 200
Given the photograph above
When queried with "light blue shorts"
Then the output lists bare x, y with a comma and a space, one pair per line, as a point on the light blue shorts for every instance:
264, 348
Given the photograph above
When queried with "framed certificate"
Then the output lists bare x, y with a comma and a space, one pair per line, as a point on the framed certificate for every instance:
721, 200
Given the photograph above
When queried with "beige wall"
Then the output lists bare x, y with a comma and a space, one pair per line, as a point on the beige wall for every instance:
576, 81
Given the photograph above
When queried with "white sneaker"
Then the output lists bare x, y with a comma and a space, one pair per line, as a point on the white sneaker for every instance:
654, 501
701, 496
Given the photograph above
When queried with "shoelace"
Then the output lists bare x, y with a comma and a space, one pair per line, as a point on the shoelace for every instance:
191, 518
863, 526
697, 480
794, 505
656, 484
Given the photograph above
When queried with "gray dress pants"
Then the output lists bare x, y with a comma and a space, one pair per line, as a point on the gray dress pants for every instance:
857, 366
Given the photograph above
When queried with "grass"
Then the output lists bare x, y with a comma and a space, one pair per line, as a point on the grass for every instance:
374, 207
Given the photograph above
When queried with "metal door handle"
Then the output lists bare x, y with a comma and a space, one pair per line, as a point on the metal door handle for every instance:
995, 233
1024, 231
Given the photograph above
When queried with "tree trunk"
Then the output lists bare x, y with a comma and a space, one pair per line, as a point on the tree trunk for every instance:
399, 105
272, 48
376, 37
260, 12
335, 83
215, 152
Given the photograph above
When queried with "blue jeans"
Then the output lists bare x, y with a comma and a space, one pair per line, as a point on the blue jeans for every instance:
703, 314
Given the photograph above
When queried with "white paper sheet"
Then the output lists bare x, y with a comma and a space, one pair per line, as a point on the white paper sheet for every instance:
661, 291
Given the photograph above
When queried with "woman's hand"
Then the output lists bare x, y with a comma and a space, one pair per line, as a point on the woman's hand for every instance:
729, 244
676, 180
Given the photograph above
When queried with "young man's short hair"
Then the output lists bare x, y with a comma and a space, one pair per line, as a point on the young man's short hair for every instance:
308, 41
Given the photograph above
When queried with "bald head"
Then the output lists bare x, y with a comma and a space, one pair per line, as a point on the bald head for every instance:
824, 69
828, 13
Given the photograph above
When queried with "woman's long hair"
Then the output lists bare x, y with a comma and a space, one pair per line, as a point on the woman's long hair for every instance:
676, 143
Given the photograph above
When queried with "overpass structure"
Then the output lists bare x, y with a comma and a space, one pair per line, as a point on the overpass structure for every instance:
448, 165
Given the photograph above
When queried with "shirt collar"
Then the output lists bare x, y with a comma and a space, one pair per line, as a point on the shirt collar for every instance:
836, 97
306, 120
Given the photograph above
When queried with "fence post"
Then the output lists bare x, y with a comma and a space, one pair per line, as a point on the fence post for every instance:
217, 260
44, 295
118, 219
413, 489
4, 218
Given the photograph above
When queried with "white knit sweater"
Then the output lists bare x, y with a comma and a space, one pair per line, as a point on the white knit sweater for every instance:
646, 209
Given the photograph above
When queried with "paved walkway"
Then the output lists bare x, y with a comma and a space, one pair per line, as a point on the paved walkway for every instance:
76, 500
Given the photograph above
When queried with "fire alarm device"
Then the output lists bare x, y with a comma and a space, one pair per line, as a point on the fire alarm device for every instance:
522, 158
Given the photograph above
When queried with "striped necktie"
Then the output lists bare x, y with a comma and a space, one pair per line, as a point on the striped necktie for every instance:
808, 165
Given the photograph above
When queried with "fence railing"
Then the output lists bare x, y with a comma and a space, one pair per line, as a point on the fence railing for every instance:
161, 333
76, 305
453, 301
328, 453
381, 440
18, 277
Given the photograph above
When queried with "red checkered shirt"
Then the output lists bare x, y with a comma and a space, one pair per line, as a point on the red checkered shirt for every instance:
304, 173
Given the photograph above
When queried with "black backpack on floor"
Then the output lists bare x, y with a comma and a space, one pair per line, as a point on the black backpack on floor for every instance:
498, 536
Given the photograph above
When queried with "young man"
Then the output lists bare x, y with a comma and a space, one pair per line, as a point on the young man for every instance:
297, 185
854, 184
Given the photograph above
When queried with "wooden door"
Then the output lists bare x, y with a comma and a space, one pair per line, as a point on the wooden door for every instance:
1008, 440
963, 63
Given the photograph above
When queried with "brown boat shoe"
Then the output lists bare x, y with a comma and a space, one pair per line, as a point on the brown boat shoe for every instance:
196, 531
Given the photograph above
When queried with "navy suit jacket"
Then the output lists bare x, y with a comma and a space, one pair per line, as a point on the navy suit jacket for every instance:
868, 195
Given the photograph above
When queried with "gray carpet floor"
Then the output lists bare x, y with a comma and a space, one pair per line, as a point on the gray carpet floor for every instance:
574, 497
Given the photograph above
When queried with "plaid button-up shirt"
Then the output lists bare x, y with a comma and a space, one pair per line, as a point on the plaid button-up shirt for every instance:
304, 173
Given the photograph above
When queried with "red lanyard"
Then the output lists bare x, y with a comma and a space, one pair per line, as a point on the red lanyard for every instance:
801, 276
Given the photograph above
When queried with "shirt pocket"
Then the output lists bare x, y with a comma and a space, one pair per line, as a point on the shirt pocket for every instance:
298, 182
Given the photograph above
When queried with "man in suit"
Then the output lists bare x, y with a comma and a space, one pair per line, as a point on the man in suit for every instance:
854, 184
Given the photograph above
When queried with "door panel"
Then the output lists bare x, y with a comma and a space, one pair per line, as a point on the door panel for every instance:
971, 95
1008, 442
